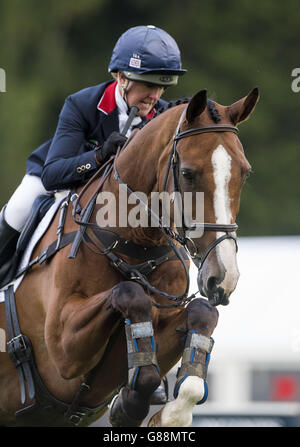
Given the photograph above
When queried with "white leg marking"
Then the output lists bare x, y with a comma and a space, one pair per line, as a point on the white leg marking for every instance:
178, 413
226, 251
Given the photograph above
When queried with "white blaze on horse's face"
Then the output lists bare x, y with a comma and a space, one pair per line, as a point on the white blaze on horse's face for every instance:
226, 250
221, 162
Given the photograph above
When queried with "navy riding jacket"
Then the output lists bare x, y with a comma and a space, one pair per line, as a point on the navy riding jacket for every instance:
65, 160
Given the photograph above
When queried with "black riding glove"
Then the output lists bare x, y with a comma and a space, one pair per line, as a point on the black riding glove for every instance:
110, 147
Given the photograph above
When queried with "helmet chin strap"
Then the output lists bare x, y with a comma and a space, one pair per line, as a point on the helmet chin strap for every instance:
123, 84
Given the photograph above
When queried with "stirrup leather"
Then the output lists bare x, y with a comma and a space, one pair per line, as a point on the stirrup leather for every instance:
190, 367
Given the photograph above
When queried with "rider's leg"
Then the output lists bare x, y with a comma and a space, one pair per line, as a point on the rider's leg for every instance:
20, 203
14, 215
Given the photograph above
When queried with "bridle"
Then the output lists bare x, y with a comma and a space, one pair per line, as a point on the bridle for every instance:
173, 166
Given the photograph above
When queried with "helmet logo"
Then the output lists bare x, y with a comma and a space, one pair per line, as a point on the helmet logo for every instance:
166, 78
135, 61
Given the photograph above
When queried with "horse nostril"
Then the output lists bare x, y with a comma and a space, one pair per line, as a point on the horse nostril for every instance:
212, 283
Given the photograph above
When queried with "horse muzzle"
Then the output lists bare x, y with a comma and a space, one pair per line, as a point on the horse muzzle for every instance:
213, 289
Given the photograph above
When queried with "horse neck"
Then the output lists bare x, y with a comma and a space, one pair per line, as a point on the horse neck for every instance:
139, 166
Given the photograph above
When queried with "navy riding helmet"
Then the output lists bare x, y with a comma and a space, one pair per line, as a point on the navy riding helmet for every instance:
147, 53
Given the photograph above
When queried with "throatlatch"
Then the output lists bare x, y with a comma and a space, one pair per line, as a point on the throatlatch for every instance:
195, 344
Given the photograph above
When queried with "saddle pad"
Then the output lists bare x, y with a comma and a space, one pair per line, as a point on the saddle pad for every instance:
37, 235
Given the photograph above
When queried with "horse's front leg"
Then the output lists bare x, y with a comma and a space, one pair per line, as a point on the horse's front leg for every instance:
77, 333
190, 388
132, 404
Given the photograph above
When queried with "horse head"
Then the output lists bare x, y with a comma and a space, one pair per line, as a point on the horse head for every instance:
212, 161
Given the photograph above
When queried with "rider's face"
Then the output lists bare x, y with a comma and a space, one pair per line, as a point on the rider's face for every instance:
143, 95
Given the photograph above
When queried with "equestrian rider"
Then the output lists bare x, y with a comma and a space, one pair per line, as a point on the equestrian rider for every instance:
145, 61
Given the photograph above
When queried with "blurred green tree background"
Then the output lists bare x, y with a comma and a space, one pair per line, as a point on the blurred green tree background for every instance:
50, 49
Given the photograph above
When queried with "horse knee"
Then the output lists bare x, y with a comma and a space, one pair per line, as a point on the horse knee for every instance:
130, 299
202, 316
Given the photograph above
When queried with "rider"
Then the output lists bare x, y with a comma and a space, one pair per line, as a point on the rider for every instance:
145, 61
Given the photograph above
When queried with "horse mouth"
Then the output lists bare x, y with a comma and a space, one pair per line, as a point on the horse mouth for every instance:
215, 295
219, 297
218, 291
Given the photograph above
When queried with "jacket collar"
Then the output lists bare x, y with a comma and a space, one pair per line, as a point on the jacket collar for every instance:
108, 103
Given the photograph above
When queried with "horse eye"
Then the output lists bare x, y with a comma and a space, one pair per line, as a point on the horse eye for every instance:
246, 174
188, 174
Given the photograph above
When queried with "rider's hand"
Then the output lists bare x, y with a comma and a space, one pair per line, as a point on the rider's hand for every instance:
110, 147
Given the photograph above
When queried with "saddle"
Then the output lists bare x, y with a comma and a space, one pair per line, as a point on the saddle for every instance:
39, 208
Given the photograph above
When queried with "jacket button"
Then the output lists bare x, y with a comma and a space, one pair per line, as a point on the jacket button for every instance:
81, 169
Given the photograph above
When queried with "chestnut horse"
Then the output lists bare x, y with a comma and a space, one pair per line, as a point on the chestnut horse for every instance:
103, 324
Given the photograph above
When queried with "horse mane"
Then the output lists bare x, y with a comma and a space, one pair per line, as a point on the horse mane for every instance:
173, 103
213, 111
211, 108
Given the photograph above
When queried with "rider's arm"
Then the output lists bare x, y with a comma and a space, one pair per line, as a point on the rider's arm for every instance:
67, 163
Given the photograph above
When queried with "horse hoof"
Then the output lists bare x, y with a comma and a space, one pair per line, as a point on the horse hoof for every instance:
159, 397
155, 421
117, 415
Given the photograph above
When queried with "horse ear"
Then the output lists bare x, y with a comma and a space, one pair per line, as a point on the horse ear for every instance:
196, 105
241, 110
